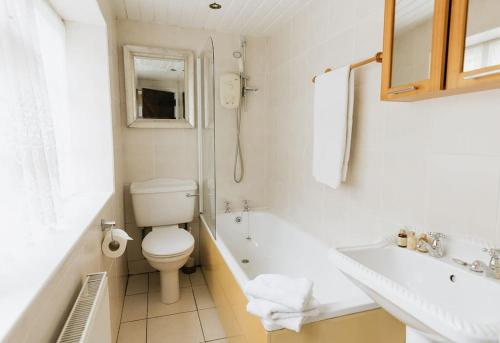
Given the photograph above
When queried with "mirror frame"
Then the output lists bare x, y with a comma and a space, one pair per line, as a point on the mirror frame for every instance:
422, 88
131, 51
456, 77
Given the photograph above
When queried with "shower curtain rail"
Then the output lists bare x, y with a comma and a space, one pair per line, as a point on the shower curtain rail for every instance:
376, 58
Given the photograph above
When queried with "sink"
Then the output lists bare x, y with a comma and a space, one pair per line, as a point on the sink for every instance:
438, 299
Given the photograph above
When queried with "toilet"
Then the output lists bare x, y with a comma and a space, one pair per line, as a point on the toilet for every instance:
163, 204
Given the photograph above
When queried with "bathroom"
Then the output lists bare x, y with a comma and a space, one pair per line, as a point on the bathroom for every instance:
298, 144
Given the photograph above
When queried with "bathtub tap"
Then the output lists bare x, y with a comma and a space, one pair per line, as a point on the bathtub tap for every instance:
246, 208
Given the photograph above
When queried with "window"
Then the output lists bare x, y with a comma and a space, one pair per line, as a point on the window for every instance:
51, 34
56, 139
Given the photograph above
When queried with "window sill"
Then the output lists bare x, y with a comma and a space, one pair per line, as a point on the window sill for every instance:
27, 271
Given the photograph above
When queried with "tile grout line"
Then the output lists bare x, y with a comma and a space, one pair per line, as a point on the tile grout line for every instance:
147, 306
197, 310
172, 314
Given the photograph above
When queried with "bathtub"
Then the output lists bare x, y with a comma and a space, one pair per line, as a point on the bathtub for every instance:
257, 242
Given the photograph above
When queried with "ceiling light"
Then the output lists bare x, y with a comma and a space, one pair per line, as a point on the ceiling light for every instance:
215, 6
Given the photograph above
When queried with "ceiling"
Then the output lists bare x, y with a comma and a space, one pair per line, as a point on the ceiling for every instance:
253, 17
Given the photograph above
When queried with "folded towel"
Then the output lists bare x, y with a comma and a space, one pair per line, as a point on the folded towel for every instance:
272, 311
292, 293
333, 112
290, 323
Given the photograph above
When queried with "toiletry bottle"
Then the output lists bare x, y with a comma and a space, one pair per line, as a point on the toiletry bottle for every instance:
422, 236
402, 238
411, 241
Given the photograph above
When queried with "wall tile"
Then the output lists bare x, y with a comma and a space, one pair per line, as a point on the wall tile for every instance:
432, 164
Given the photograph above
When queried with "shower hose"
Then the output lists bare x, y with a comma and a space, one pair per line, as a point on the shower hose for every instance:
239, 169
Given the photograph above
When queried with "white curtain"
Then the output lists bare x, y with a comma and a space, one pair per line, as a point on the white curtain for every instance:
29, 187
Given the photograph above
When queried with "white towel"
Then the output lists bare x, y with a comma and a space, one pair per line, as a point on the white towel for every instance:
292, 293
275, 314
333, 113
290, 323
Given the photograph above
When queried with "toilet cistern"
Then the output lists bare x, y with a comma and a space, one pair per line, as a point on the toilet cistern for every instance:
163, 204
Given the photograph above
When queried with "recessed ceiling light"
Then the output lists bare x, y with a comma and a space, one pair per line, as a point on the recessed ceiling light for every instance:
215, 6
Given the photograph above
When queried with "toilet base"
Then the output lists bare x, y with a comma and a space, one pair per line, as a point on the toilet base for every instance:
169, 281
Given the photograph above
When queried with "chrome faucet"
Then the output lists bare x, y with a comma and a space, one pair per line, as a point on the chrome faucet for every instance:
227, 207
246, 208
436, 247
494, 264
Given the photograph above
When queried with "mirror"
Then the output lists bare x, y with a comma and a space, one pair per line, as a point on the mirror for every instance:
482, 42
159, 86
412, 42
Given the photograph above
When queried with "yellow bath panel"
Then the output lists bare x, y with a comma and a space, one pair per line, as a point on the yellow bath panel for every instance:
374, 326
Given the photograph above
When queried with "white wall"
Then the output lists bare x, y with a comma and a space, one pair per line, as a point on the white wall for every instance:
432, 164
154, 153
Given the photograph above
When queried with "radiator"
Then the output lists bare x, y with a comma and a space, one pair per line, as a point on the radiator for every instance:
89, 320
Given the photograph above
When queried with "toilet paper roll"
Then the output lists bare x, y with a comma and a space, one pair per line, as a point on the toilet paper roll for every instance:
115, 242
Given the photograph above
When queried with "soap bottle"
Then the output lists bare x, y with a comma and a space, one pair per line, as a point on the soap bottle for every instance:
411, 241
402, 238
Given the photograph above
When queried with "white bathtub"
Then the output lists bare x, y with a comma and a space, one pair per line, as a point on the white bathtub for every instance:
276, 246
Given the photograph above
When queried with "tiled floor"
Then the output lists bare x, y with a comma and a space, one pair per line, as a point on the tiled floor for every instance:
193, 319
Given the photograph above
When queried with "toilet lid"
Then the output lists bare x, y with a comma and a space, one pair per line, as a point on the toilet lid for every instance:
167, 242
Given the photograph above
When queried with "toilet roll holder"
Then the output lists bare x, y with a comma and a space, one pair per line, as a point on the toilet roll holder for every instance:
109, 225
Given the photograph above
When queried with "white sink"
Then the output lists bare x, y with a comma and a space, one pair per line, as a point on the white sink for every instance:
438, 300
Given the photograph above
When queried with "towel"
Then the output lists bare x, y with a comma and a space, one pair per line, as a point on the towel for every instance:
290, 323
272, 311
281, 300
273, 314
292, 293
333, 115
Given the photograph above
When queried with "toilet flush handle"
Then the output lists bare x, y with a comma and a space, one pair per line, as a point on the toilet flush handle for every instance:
191, 195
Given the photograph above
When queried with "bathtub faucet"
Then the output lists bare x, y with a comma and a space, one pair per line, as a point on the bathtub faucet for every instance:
227, 206
246, 208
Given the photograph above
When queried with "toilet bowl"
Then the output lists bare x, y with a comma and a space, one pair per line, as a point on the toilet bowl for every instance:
167, 249
163, 204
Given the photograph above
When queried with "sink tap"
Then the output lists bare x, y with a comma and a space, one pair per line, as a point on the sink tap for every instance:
227, 206
246, 208
494, 264
435, 247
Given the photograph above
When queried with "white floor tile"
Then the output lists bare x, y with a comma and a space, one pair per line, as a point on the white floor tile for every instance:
137, 284
134, 307
156, 308
197, 278
132, 332
212, 327
203, 297
178, 328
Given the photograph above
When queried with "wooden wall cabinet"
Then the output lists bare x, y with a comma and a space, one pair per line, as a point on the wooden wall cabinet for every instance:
474, 46
436, 48
415, 42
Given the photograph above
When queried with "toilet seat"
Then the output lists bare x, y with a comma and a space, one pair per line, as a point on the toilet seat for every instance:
167, 242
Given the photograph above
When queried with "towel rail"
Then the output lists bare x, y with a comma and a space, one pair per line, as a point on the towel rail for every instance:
377, 58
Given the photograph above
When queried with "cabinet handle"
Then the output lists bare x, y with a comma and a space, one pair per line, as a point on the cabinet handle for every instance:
483, 74
402, 90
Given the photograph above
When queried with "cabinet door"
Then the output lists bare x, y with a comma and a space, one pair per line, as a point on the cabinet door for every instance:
415, 40
474, 46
